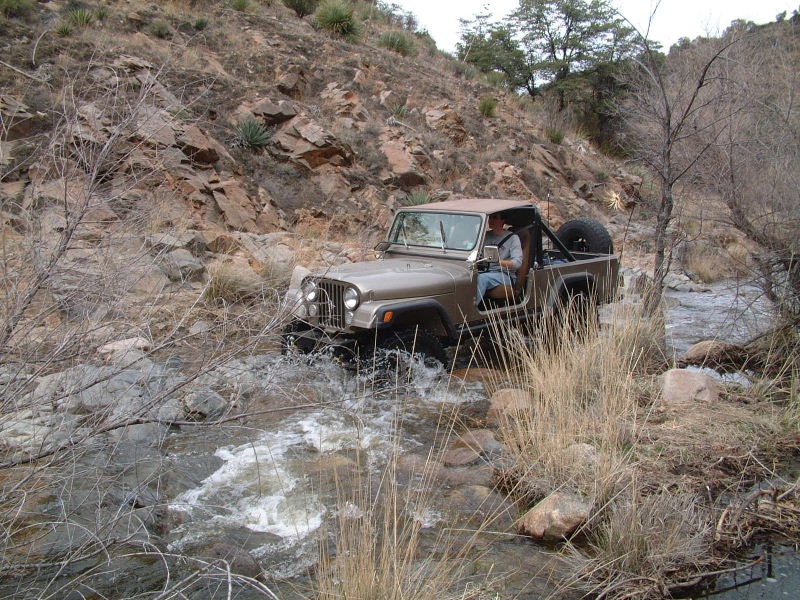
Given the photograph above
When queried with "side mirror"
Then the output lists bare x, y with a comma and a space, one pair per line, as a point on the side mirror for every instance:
380, 248
491, 254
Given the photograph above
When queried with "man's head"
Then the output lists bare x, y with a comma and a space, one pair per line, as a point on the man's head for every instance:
497, 221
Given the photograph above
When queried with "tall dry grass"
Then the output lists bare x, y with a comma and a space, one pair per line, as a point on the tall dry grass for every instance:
378, 551
583, 388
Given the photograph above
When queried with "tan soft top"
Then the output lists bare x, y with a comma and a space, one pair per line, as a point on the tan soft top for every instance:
476, 205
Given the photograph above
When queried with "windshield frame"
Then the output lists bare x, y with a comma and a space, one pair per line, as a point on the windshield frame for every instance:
398, 234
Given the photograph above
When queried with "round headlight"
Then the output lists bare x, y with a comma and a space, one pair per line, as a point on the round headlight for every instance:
310, 290
351, 298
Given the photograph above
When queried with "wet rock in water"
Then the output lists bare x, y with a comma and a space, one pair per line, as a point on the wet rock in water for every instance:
457, 457
479, 475
417, 465
481, 440
151, 434
715, 354
484, 504
507, 401
555, 517
683, 385
205, 403
241, 561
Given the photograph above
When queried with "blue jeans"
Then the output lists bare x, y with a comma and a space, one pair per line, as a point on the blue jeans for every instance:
489, 280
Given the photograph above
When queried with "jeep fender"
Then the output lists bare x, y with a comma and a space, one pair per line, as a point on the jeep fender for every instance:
426, 313
574, 283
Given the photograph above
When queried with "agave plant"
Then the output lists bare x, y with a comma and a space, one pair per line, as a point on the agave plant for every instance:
252, 134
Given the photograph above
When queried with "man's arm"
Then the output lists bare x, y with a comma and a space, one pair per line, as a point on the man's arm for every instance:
514, 260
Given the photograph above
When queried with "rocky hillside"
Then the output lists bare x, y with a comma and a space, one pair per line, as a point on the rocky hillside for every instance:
144, 107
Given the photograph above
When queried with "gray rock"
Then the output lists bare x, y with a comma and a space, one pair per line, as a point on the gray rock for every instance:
555, 517
182, 265
151, 434
240, 561
205, 403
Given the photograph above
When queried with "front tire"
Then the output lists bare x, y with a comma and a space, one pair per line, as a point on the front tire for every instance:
389, 356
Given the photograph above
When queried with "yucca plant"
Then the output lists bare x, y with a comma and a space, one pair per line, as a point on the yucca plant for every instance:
240, 5
200, 24
487, 106
102, 14
252, 134
15, 8
338, 17
64, 30
160, 29
555, 134
302, 8
80, 17
399, 42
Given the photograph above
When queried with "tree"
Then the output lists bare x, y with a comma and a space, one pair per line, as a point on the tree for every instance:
664, 127
560, 37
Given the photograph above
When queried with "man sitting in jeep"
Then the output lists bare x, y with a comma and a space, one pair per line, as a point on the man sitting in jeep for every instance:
510, 250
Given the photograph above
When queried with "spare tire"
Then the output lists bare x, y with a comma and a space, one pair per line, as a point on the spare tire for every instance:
586, 235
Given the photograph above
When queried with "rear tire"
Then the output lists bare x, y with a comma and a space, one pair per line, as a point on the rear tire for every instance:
586, 235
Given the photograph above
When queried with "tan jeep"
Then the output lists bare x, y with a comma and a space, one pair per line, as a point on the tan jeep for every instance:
421, 292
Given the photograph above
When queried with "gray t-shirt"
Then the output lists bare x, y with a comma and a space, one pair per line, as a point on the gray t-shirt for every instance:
510, 250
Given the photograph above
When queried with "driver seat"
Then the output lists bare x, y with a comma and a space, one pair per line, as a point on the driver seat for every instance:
511, 293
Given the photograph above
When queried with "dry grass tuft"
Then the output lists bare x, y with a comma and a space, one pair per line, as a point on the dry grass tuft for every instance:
583, 390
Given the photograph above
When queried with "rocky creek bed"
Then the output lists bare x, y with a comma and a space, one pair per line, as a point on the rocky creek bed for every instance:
264, 492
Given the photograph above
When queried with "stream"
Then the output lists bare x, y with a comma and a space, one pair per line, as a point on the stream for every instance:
276, 484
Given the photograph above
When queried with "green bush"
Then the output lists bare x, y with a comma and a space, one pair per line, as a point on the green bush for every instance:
466, 70
400, 111
160, 29
240, 5
80, 17
302, 7
487, 106
102, 14
64, 30
16, 8
252, 134
554, 134
200, 24
400, 42
497, 79
338, 17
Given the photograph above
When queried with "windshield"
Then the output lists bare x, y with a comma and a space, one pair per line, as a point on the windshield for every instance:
436, 230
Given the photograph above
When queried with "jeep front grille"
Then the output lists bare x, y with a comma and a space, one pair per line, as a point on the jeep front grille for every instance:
331, 303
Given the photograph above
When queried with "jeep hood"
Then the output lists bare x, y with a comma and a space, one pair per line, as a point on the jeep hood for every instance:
398, 278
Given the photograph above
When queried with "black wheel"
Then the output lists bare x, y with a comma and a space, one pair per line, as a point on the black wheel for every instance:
389, 356
586, 235
291, 341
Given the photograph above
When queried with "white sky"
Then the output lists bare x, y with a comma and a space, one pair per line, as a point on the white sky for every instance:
674, 18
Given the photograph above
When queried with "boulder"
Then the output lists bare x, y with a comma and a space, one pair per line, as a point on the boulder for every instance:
507, 401
241, 561
304, 141
182, 265
150, 434
292, 81
555, 517
444, 118
238, 210
344, 102
683, 385
457, 457
206, 404
716, 354
481, 440
404, 168
198, 146
134, 343
392, 99
508, 180
18, 121
273, 113
154, 127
